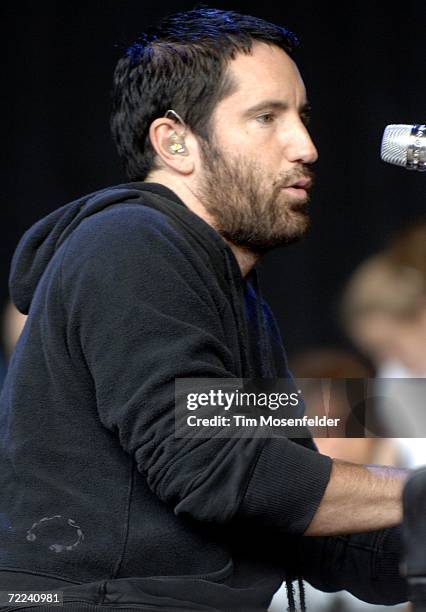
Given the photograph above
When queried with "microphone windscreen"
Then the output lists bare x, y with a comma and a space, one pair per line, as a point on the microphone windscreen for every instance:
395, 143
405, 145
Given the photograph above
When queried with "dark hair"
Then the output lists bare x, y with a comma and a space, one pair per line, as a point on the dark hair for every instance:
180, 65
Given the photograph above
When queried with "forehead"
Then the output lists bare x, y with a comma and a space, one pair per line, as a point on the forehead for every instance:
266, 73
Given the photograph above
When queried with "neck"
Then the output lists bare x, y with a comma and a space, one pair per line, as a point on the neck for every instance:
246, 259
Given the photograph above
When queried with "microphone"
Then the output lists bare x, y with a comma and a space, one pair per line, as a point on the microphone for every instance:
405, 145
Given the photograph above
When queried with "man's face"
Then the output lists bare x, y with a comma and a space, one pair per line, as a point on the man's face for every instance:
255, 178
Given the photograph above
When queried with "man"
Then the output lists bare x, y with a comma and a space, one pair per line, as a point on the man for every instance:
134, 286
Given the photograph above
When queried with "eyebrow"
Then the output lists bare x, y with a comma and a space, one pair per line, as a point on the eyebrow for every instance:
277, 105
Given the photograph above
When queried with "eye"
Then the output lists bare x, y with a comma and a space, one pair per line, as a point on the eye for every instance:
265, 118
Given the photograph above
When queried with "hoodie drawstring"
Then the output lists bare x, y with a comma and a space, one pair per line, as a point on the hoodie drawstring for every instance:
291, 598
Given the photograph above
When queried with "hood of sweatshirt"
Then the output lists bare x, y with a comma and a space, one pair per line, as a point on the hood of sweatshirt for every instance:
41, 241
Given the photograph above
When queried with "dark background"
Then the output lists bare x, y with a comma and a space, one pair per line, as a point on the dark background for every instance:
364, 67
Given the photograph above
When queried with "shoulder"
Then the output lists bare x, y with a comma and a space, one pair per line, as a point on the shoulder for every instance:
128, 246
130, 218
125, 230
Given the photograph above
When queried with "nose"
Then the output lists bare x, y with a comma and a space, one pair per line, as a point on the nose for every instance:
300, 147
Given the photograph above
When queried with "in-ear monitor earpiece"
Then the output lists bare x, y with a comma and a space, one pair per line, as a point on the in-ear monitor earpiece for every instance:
176, 142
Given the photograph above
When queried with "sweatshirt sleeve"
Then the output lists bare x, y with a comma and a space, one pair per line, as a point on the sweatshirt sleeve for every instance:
139, 313
368, 565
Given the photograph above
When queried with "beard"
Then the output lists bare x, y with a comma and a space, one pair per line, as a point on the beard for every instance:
247, 207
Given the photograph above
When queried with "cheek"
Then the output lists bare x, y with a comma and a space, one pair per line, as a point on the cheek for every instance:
250, 140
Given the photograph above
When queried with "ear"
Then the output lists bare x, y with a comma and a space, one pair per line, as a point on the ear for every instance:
172, 143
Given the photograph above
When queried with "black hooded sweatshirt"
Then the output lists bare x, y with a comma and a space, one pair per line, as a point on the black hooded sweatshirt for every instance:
126, 290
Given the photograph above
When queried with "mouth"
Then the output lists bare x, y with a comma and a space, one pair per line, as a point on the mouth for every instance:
303, 183
299, 188
298, 192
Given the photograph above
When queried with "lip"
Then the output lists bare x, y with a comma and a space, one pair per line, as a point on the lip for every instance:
304, 183
299, 192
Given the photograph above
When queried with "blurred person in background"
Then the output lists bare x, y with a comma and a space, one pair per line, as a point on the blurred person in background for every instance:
384, 313
12, 323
